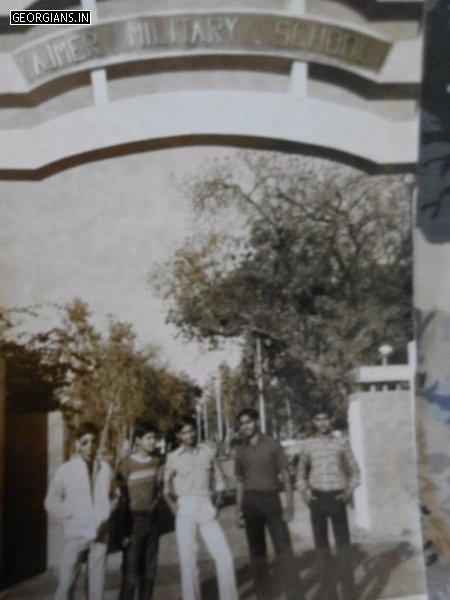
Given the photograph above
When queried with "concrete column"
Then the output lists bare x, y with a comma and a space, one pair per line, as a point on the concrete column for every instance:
55, 457
356, 431
2, 449
382, 434
98, 76
299, 70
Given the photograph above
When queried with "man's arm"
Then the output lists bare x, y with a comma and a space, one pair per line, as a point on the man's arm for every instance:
56, 501
239, 495
287, 484
238, 471
121, 503
303, 469
219, 480
118, 488
352, 465
160, 479
168, 494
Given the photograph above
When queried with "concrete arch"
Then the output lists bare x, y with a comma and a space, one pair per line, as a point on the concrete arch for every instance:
8, 5
162, 116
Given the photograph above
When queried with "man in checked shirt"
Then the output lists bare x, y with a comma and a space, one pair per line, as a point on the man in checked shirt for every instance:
328, 475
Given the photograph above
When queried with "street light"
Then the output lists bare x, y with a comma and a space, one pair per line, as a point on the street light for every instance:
217, 394
260, 384
198, 414
204, 405
385, 350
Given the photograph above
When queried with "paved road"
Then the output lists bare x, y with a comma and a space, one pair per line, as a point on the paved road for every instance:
382, 569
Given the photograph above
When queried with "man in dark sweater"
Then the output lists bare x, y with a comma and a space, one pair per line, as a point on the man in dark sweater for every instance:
139, 477
261, 466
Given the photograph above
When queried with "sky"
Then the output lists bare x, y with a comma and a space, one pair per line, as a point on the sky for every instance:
94, 231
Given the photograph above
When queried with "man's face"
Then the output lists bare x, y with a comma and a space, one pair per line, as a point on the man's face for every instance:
187, 436
322, 423
248, 426
147, 443
87, 446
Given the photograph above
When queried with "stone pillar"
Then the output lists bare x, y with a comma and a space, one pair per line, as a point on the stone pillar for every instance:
356, 432
2, 452
382, 434
299, 71
55, 456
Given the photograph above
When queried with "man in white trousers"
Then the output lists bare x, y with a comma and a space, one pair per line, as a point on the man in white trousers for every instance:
187, 489
79, 495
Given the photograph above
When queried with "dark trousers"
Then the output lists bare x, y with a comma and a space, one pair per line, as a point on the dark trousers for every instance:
263, 510
140, 559
336, 571
325, 507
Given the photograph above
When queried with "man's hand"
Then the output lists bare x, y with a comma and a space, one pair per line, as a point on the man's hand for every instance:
307, 496
239, 518
288, 513
345, 496
115, 499
172, 504
218, 501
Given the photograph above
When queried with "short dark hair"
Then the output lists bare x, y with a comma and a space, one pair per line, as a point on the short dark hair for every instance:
321, 410
87, 427
181, 423
249, 412
144, 427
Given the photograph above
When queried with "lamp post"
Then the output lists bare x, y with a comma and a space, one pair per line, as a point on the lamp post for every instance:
260, 385
385, 350
217, 393
204, 406
198, 415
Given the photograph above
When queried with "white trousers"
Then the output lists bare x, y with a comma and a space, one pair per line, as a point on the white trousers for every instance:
198, 514
71, 559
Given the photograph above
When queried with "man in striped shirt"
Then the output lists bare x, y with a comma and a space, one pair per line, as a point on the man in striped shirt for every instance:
328, 475
139, 477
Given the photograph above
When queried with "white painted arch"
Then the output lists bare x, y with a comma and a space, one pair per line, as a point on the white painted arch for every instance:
287, 117
7, 5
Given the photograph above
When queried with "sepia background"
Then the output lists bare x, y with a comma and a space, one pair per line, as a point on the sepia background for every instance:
196, 228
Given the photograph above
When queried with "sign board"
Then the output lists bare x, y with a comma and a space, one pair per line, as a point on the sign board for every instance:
156, 36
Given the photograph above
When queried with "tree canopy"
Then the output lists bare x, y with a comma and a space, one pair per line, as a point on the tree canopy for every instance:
96, 376
318, 266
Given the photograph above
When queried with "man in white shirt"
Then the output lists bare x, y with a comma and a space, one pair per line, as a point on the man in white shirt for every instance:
79, 495
187, 490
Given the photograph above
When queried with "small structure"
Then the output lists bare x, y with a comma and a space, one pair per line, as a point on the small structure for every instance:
383, 436
25, 464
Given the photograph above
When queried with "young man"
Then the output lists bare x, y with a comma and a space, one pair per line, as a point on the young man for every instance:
187, 477
260, 464
79, 495
139, 476
328, 475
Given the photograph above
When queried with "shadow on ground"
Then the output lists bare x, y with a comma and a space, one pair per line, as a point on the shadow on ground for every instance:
356, 575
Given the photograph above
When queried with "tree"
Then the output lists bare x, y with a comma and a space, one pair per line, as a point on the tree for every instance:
109, 380
319, 269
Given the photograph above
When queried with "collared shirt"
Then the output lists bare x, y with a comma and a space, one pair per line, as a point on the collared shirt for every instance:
191, 472
259, 466
327, 463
